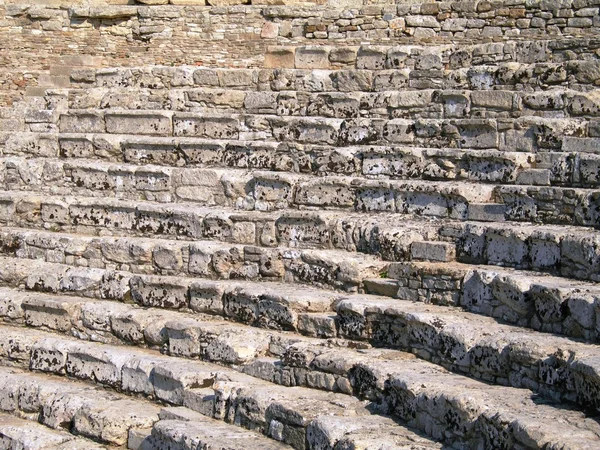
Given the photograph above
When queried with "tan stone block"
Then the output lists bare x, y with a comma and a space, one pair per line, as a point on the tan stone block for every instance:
270, 30
188, 2
227, 2
280, 58
312, 57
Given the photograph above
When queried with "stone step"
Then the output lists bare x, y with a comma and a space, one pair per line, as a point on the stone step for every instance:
461, 411
328, 229
17, 433
309, 311
201, 432
63, 404
381, 162
242, 189
133, 190
152, 324
328, 268
474, 67
567, 251
528, 299
522, 134
81, 408
477, 346
395, 162
442, 103
287, 414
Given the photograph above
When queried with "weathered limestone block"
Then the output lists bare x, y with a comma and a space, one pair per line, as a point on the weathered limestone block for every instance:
310, 57
323, 131
333, 192
82, 123
153, 124
207, 127
280, 58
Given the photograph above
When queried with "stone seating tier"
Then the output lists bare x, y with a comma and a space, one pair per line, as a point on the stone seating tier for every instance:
329, 225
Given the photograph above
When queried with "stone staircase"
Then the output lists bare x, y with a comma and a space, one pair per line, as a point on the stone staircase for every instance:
337, 226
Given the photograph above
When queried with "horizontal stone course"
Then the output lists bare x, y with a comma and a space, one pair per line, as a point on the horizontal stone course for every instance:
492, 68
233, 391
385, 104
20, 433
283, 225
528, 299
520, 134
463, 342
206, 259
392, 161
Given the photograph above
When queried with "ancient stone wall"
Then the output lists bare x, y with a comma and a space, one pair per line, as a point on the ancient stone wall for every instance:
334, 226
49, 39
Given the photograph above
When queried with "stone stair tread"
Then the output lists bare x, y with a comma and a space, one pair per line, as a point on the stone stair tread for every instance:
132, 76
89, 410
25, 434
8, 196
467, 342
391, 161
326, 103
305, 200
233, 175
198, 434
173, 377
484, 133
416, 376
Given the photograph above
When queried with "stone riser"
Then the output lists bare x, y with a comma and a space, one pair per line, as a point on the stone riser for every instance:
408, 104
565, 252
267, 191
490, 71
212, 390
331, 269
465, 343
266, 305
233, 396
525, 134
381, 162
18, 433
532, 300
